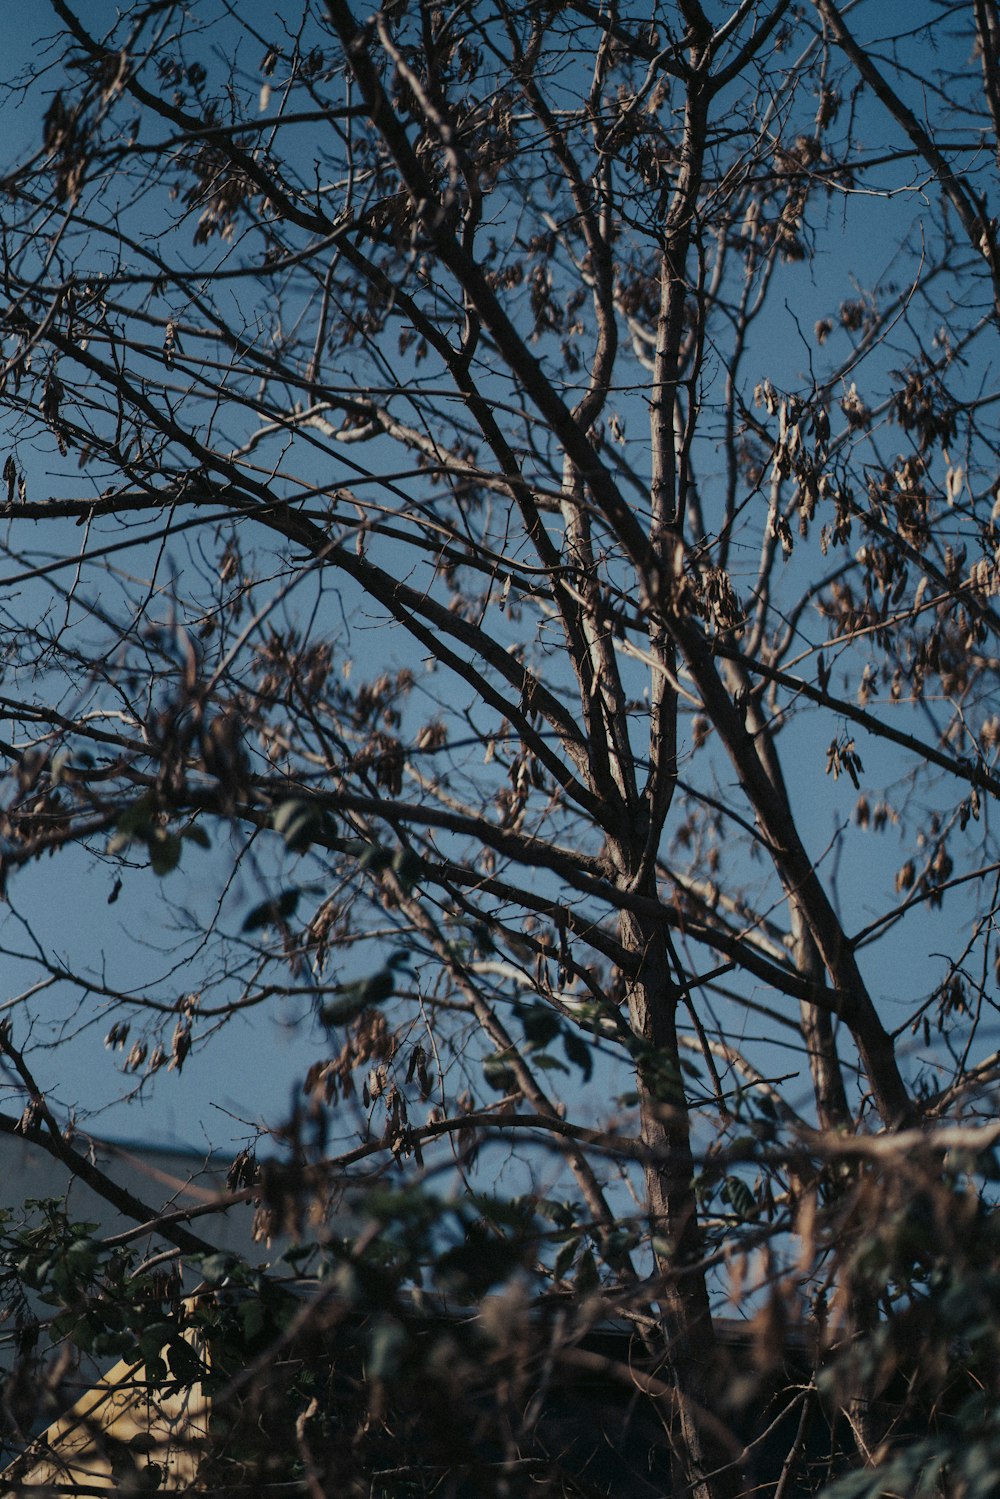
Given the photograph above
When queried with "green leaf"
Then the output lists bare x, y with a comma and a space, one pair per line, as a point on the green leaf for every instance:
214, 1267
587, 1278
298, 822
136, 818
271, 912
195, 833
376, 858
565, 1257
579, 1052
342, 1010
372, 990
164, 851
470, 1269
354, 997
500, 1076
545, 1063
408, 867
541, 1025
185, 1365
507, 1212
739, 1196
154, 1338
563, 1214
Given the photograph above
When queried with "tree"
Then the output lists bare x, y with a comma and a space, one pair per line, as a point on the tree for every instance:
468, 466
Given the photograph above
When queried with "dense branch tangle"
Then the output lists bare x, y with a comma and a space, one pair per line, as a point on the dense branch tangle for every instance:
442, 340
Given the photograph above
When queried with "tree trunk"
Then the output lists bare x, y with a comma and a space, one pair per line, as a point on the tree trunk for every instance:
702, 1468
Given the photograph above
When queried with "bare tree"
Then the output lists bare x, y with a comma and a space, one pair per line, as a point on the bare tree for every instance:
496, 473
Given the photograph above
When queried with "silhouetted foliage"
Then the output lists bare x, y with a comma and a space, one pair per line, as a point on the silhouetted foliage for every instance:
502, 518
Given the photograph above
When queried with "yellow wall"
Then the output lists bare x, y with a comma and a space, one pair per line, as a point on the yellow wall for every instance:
119, 1416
